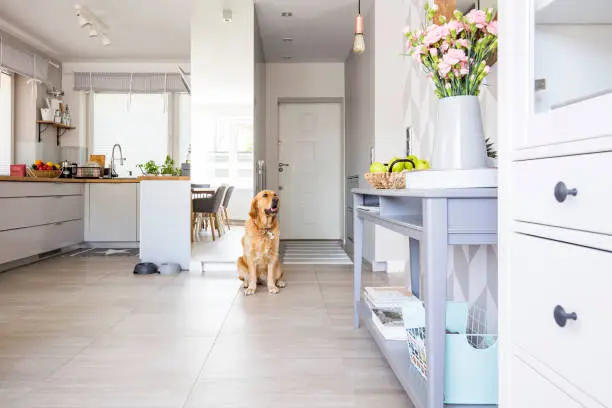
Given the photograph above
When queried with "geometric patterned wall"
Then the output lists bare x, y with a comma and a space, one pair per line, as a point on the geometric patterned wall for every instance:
472, 271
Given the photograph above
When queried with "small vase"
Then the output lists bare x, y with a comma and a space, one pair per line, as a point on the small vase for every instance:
459, 142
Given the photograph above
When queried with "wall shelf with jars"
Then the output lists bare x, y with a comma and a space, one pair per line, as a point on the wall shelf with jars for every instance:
60, 128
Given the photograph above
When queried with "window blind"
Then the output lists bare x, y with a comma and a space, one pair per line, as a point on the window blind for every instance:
18, 58
128, 82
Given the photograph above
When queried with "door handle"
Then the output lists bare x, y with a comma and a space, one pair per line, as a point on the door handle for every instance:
281, 167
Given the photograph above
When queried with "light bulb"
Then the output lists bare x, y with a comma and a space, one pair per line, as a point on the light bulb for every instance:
359, 44
93, 32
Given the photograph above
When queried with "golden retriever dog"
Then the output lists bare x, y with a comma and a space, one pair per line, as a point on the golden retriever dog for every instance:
260, 244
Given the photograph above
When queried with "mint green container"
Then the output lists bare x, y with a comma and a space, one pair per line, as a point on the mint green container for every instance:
471, 360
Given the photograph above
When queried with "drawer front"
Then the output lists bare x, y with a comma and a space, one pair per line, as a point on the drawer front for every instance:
547, 274
588, 210
37, 189
26, 242
530, 390
32, 211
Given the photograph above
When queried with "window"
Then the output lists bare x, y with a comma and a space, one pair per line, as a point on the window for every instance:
183, 110
138, 122
6, 123
233, 152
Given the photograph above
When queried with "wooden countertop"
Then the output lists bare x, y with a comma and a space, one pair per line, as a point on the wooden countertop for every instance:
113, 181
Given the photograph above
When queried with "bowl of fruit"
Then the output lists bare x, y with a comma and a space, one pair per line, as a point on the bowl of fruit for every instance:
41, 169
393, 174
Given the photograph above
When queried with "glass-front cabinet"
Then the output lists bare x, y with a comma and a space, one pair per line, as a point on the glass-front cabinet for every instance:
571, 71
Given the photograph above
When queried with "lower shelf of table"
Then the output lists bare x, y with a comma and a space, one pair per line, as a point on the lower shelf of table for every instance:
396, 354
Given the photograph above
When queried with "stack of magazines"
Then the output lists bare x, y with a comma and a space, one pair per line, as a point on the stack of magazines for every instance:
386, 305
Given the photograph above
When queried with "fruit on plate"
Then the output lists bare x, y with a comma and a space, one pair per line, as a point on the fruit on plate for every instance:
378, 167
422, 165
397, 167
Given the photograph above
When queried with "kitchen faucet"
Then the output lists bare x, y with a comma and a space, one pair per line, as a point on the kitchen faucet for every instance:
121, 159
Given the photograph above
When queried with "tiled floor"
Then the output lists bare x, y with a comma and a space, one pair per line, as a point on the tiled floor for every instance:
86, 333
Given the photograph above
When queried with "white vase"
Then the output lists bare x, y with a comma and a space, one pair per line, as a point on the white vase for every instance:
459, 138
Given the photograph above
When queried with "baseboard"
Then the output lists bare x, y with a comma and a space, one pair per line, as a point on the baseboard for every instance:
18, 263
110, 245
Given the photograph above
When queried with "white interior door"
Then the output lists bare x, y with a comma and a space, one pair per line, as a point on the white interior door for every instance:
310, 185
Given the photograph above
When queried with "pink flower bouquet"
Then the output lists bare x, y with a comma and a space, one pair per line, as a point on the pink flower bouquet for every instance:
455, 53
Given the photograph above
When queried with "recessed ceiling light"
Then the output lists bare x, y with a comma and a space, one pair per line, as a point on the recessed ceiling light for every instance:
286, 14
287, 39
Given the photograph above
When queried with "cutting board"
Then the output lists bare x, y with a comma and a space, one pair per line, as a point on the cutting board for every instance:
98, 158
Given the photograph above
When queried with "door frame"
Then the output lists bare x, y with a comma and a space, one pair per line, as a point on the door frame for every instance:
341, 183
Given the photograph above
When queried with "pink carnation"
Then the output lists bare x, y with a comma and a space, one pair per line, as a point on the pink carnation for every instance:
433, 52
477, 17
454, 56
464, 71
444, 68
492, 27
434, 34
463, 43
455, 25
445, 46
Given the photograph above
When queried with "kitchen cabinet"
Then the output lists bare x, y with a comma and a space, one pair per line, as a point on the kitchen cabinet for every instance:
112, 213
37, 218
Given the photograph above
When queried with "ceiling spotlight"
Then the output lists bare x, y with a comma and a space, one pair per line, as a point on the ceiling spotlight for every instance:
227, 15
286, 14
81, 15
93, 32
287, 39
105, 40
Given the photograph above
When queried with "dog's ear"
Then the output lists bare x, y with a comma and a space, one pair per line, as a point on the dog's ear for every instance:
253, 212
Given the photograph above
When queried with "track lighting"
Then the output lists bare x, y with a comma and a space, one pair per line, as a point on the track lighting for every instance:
86, 19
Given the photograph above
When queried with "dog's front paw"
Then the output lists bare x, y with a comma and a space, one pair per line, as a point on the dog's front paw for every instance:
245, 283
273, 290
249, 291
281, 283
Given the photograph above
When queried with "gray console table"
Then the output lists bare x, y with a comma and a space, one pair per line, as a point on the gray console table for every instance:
433, 220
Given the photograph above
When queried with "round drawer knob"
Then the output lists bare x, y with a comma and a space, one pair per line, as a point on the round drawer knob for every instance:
561, 192
561, 316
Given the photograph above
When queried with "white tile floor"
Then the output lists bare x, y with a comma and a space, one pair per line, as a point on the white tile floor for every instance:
86, 333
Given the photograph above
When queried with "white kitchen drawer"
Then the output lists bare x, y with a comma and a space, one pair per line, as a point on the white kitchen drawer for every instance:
26, 242
546, 274
530, 390
36, 189
32, 211
535, 200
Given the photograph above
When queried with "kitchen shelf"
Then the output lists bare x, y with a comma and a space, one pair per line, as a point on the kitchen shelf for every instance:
60, 128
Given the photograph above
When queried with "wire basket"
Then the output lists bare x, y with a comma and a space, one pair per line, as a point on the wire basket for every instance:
43, 173
389, 180
470, 375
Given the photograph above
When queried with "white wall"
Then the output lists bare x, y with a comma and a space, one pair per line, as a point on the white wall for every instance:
315, 80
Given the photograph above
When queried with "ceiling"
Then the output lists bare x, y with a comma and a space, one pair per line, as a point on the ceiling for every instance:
138, 30
322, 30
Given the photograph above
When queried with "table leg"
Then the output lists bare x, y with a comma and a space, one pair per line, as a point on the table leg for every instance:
415, 269
435, 266
357, 257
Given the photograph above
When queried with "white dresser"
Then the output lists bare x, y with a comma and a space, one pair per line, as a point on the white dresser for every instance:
555, 142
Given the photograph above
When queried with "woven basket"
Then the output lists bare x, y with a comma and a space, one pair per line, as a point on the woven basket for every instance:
43, 173
387, 180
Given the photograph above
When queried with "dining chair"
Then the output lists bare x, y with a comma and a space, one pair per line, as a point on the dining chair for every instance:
208, 208
224, 206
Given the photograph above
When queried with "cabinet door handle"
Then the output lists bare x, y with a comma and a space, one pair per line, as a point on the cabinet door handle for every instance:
561, 192
561, 316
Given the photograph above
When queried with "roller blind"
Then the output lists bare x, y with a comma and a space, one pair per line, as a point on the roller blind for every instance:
128, 82
17, 57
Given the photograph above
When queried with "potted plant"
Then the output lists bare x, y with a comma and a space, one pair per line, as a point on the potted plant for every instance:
150, 168
455, 54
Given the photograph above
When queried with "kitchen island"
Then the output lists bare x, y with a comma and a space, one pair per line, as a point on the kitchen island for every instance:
42, 217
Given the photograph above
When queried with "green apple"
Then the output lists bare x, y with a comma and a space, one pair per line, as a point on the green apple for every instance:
397, 167
378, 167
413, 158
409, 166
422, 165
